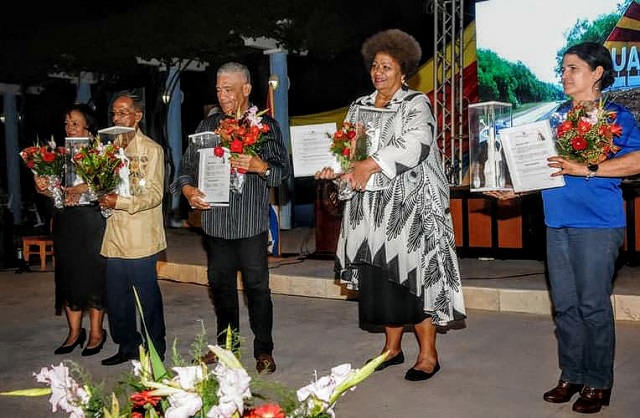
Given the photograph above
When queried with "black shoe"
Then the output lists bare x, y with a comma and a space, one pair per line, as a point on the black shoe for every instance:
66, 349
397, 359
415, 375
119, 358
95, 350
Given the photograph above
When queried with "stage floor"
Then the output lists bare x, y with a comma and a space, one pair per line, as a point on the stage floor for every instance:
488, 284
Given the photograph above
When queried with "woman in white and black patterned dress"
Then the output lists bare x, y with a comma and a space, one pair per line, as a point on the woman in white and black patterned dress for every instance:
396, 244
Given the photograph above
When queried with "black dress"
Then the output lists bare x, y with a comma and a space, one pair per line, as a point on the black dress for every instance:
80, 269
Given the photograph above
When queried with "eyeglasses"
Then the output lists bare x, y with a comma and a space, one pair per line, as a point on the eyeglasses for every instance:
120, 114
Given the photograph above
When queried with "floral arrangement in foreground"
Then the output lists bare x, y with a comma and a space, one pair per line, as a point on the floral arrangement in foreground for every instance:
224, 391
348, 144
242, 134
44, 160
586, 134
98, 165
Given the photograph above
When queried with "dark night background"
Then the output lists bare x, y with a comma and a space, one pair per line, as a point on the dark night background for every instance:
105, 37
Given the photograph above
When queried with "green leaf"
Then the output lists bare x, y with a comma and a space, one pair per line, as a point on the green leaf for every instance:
159, 371
28, 392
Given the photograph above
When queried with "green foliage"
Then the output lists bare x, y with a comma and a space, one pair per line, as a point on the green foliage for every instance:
499, 79
595, 31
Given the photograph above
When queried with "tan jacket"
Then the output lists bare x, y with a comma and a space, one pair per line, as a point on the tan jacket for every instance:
136, 227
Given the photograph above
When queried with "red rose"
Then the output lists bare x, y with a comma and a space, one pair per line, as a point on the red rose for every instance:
339, 135
346, 152
48, 157
578, 143
351, 134
218, 152
30, 164
265, 128
236, 146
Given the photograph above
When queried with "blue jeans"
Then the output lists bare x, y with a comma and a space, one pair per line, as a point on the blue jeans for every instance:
122, 275
581, 263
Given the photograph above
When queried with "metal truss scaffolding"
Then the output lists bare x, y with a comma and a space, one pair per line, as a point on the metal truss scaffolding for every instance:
447, 83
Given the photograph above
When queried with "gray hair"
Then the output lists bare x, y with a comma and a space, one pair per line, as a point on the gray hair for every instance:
137, 101
234, 67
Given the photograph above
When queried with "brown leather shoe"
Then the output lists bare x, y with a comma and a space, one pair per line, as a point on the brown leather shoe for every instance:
563, 392
265, 364
592, 400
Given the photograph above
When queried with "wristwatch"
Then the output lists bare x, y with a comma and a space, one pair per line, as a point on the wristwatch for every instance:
592, 169
266, 172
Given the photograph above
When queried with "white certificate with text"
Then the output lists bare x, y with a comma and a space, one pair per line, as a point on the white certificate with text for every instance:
214, 177
311, 149
526, 149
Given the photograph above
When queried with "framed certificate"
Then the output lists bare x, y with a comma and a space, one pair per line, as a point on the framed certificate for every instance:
526, 149
311, 149
214, 179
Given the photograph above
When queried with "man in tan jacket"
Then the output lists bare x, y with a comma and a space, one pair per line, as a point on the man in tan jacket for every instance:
134, 237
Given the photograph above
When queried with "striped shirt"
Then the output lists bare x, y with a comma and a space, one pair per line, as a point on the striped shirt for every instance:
248, 212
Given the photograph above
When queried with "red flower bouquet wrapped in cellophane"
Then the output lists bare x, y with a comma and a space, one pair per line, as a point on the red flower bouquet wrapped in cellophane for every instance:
47, 161
242, 134
99, 166
348, 144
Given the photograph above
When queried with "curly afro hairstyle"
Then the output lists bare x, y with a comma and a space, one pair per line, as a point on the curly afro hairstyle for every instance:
400, 45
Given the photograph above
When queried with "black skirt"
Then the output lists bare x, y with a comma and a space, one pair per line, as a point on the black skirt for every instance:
383, 302
80, 269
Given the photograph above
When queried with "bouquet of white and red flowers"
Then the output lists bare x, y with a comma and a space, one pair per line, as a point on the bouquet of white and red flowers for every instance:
586, 134
47, 161
349, 144
98, 165
242, 134
44, 160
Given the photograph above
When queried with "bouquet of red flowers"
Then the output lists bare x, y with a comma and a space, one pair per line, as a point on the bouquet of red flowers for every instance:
586, 135
44, 160
47, 161
349, 144
242, 134
98, 165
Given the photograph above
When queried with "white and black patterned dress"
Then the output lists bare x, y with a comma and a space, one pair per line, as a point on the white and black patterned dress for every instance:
404, 226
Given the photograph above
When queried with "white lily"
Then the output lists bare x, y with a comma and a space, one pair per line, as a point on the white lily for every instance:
66, 393
183, 405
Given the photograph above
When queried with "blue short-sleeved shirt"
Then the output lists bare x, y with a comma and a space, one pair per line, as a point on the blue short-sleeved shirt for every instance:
595, 202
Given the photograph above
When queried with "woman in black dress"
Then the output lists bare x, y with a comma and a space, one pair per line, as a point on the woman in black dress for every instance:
77, 231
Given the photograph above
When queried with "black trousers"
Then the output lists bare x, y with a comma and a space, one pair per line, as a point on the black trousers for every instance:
225, 257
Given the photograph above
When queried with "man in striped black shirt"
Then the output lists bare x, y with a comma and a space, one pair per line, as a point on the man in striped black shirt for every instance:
237, 235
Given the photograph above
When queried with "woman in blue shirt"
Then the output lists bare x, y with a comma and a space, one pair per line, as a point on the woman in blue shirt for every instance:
585, 222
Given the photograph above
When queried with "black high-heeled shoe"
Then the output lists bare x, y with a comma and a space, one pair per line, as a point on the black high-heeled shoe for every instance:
66, 349
95, 350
